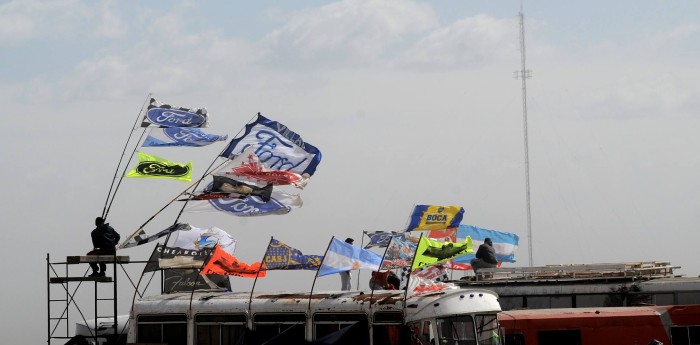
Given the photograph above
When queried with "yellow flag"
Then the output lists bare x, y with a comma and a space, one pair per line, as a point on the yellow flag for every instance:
156, 167
430, 252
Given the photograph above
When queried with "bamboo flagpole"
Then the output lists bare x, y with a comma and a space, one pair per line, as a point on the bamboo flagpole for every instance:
410, 272
262, 264
319, 269
110, 196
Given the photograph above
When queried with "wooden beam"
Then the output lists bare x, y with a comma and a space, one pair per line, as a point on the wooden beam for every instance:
97, 258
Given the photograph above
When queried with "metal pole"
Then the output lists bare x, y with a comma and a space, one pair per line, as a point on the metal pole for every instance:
524, 74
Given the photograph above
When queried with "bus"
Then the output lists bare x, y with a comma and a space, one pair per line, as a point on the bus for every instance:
674, 324
448, 317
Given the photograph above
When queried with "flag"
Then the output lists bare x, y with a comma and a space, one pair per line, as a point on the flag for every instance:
399, 253
173, 257
429, 217
179, 136
504, 243
247, 167
229, 188
199, 239
280, 203
152, 166
140, 237
188, 279
380, 238
277, 146
222, 262
165, 115
418, 286
280, 256
431, 252
343, 256
435, 273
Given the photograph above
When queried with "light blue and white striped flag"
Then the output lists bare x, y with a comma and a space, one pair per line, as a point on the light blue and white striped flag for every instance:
343, 256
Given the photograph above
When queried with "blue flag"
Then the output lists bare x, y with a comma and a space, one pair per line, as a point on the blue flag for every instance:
178, 136
277, 147
165, 115
280, 256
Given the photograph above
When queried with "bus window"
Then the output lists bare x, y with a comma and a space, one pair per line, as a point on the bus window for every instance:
388, 328
169, 329
216, 329
569, 337
685, 335
487, 329
456, 330
289, 326
327, 323
514, 339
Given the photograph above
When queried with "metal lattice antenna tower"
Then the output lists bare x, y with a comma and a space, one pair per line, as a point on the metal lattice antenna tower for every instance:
524, 74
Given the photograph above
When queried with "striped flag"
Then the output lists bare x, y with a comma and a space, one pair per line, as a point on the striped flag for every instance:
343, 256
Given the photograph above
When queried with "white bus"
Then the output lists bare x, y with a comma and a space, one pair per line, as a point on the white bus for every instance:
450, 317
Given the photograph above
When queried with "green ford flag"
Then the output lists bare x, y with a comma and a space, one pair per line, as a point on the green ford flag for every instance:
431, 252
152, 166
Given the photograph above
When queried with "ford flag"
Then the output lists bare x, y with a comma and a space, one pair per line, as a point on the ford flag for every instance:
165, 115
278, 147
177, 136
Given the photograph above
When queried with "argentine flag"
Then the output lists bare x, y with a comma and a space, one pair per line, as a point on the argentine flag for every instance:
343, 256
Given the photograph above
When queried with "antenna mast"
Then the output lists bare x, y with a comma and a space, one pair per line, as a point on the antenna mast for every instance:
523, 74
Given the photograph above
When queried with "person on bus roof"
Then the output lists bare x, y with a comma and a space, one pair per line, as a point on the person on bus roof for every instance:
485, 256
345, 276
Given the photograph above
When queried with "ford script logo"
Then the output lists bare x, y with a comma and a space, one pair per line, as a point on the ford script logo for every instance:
160, 169
250, 206
175, 118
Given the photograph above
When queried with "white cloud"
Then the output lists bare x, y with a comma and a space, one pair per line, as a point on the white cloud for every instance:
110, 25
468, 42
349, 29
22, 20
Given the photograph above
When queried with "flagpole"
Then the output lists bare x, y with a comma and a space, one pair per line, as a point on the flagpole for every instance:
381, 264
362, 245
207, 171
410, 271
161, 210
105, 209
319, 268
204, 263
409, 218
262, 264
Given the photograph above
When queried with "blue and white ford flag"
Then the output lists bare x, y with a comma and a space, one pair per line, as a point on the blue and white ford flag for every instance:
181, 136
165, 115
278, 147
280, 203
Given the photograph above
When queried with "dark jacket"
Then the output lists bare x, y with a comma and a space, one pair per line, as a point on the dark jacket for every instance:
104, 237
487, 253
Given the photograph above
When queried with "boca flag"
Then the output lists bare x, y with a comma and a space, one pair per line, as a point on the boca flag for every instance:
277, 146
155, 167
224, 263
430, 217
165, 115
431, 252
280, 256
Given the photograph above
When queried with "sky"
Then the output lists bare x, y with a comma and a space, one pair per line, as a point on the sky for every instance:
410, 102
